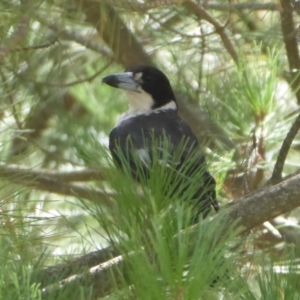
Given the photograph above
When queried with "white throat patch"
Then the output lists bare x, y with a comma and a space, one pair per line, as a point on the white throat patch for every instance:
141, 103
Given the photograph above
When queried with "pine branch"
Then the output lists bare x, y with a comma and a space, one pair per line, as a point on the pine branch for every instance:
266, 204
250, 211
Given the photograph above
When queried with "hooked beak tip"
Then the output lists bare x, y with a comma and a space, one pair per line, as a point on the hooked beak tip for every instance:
123, 81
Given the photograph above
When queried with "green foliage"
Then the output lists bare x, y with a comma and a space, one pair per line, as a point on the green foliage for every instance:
55, 116
162, 256
276, 282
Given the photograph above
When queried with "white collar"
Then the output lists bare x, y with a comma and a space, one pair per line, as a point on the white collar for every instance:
133, 112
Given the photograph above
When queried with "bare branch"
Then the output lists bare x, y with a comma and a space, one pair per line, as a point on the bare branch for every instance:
68, 34
36, 47
115, 33
266, 204
99, 277
220, 29
242, 6
143, 7
75, 265
78, 175
69, 84
46, 181
291, 46
283, 152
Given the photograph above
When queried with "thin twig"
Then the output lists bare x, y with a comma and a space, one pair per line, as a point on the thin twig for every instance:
68, 34
283, 152
36, 47
247, 162
200, 12
182, 34
242, 6
19, 34
69, 84
11, 100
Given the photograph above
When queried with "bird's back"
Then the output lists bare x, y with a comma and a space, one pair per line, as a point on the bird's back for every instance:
148, 136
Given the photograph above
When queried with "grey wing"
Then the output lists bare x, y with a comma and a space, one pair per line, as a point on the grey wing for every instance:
140, 149
176, 147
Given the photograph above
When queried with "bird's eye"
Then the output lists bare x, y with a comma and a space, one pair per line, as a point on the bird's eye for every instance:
147, 78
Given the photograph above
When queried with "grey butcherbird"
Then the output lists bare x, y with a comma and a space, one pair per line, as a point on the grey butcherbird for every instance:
152, 116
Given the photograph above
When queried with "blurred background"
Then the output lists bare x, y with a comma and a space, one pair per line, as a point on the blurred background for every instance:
228, 65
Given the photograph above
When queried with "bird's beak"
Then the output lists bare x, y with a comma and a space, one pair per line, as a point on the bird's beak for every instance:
123, 81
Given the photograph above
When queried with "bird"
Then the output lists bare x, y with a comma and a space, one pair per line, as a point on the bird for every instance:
151, 122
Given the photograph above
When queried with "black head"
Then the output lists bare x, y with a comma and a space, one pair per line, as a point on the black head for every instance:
147, 83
